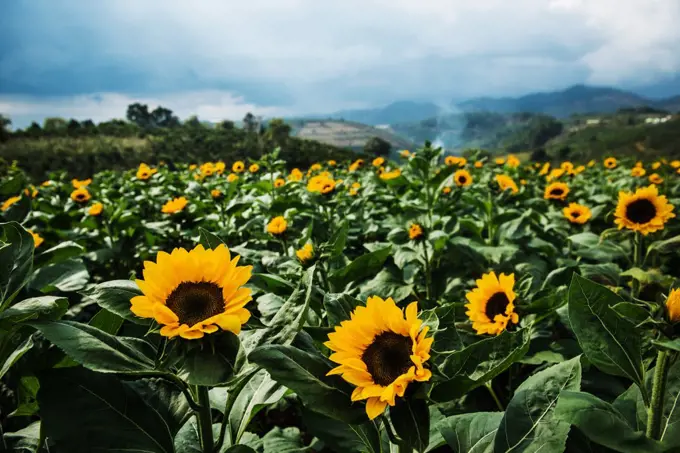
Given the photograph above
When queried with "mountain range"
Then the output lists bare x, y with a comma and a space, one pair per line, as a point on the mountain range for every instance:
578, 99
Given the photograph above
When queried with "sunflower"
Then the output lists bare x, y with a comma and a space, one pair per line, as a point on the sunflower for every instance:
637, 171
577, 213
555, 173
645, 210
277, 226
78, 184
673, 306
332, 163
451, 160
610, 162
254, 168
393, 174
479, 164
9, 202
207, 169
238, 167
37, 239
378, 161
321, 184
513, 161
500, 161
544, 169
46, 183
491, 304
675, 163
193, 167
462, 178
220, 167
174, 205
31, 192
80, 195
216, 193
280, 182
144, 172
357, 164
556, 191
446, 190
655, 178
656, 165
405, 153
505, 182
305, 254
567, 166
96, 209
381, 350
191, 293
353, 192
415, 231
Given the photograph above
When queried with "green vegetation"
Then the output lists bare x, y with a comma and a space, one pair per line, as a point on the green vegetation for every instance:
84, 148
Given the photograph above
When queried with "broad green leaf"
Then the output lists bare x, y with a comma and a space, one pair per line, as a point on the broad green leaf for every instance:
471, 433
106, 321
411, 420
336, 244
272, 283
12, 185
305, 374
97, 350
362, 267
211, 364
629, 311
68, 275
478, 363
165, 399
15, 355
60, 252
115, 296
209, 240
631, 405
611, 343
16, 260
283, 440
339, 307
588, 245
104, 414
342, 437
602, 423
670, 421
44, 308
529, 424
25, 440
260, 391
668, 345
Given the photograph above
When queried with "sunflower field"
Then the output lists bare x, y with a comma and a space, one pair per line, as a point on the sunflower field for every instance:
429, 304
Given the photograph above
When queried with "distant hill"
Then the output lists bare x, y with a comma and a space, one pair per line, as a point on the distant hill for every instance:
397, 112
578, 99
345, 134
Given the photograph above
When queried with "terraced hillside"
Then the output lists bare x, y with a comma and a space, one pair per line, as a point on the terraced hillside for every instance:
345, 134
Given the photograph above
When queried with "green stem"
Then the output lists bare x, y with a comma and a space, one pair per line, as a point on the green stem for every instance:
658, 390
428, 272
489, 219
204, 419
494, 396
404, 449
637, 261
232, 395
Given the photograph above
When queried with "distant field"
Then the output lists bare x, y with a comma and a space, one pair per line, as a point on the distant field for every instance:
345, 134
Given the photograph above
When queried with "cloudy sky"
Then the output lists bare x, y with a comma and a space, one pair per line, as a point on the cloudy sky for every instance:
223, 58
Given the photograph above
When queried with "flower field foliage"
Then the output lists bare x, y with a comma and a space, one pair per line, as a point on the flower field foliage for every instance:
433, 304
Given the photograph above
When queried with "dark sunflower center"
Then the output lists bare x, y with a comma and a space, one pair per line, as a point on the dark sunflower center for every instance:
462, 179
641, 211
557, 192
388, 357
575, 214
496, 305
193, 302
80, 196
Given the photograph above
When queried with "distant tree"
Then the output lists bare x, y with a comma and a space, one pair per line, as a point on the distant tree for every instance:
34, 130
88, 127
225, 125
376, 146
5, 124
249, 123
54, 126
139, 114
193, 122
539, 155
278, 132
163, 117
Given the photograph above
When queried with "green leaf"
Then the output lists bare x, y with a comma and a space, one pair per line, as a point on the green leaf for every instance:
211, 364
305, 374
611, 343
667, 246
12, 185
272, 284
336, 244
106, 321
637, 314
471, 433
588, 245
631, 405
529, 424
602, 423
411, 420
283, 440
19, 210
115, 296
260, 391
97, 350
362, 267
24, 440
44, 308
15, 355
16, 260
209, 240
668, 345
104, 414
670, 421
68, 275
478, 363
342, 437
165, 399
339, 307
60, 252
